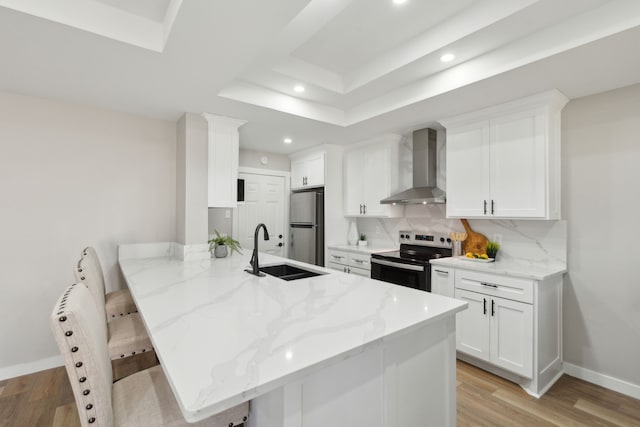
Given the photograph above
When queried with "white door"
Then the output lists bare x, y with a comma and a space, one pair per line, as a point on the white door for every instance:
518, 168
512, 336
468, 163
472, 335
263, 203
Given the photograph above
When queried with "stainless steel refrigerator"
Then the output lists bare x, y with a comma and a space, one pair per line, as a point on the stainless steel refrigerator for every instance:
307, 227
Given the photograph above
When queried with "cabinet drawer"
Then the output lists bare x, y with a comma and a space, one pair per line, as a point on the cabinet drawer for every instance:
338, 257
490, 284
360, 261
336, 266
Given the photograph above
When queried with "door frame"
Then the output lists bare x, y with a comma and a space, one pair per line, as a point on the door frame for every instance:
287, 193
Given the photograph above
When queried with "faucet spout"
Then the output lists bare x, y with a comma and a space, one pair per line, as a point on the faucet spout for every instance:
255, 265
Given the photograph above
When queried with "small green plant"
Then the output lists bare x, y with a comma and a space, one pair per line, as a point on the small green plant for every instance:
363, 237
492, 249
232, 244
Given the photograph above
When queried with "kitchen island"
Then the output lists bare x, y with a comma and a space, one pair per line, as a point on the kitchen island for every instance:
334, 349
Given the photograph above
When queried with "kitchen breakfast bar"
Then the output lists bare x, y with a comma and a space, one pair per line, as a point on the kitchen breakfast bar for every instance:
334, 349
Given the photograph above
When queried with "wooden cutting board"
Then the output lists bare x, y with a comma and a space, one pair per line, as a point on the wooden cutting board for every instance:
475, 242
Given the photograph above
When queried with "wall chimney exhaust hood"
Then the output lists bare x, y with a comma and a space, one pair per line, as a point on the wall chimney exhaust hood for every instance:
424, 190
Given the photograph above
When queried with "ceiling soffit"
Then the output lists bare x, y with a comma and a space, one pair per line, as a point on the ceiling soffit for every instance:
146, 24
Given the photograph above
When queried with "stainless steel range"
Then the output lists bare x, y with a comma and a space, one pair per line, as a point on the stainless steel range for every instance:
410, 265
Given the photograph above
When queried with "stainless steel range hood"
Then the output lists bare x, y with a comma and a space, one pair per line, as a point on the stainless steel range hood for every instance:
424, 190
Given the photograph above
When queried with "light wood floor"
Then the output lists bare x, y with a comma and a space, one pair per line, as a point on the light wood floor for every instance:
45, 399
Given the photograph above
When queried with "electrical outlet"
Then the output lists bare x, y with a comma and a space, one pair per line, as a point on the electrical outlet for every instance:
497, 238
227, 213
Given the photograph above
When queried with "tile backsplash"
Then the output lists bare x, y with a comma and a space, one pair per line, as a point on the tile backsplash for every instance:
527, 241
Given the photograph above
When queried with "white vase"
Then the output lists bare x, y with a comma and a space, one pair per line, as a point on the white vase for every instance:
353, 236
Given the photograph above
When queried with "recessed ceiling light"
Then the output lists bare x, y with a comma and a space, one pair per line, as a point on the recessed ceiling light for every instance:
288, 140
447, 57
399, 1
298, 88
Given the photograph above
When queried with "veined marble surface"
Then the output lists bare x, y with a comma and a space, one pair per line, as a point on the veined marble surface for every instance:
224, 336
536, 271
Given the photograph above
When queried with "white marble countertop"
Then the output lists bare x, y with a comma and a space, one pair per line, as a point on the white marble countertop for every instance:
536, 271
369, 249
224, 336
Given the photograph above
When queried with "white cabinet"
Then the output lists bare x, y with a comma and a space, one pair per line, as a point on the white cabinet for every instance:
348, 262
371, 173
511, 326
223, 144
442, 280
504, 162
497, 330
307, 171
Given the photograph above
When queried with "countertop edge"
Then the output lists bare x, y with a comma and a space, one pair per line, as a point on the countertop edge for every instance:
500, 269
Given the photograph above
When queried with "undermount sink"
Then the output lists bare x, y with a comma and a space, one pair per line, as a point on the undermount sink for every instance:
288, 272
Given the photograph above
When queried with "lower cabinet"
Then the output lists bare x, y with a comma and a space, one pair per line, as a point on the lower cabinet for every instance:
511, 327
348, 262
442, 281
497, 330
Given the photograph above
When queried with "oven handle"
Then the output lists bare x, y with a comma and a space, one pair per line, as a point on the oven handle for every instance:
397, 264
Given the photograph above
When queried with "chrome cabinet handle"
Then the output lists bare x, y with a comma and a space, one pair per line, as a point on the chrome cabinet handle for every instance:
492, 206
336, 257
441, 271
365, 209
485, 207
359, 261
485, 305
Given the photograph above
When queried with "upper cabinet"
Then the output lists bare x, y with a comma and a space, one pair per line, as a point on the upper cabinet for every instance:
504, 161
371, 173
223, 160
307, 171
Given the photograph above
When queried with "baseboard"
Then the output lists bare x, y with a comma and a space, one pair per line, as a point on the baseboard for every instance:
30, 368
615, 384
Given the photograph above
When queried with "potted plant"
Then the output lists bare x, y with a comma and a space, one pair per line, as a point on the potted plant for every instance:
363, 240
219, 246
492, 249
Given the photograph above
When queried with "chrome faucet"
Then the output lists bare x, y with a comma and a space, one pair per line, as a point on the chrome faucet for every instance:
255, 266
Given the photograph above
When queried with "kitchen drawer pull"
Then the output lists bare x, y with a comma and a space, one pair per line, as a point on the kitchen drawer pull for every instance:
489, 284
441, 271
359, 261
336, 257
491, 206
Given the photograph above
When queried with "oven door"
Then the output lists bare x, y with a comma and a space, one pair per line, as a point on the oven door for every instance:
410, 275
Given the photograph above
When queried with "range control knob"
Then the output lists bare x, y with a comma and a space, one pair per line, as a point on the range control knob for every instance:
448, 240
442, 240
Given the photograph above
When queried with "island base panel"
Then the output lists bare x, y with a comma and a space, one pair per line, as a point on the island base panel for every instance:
404, 380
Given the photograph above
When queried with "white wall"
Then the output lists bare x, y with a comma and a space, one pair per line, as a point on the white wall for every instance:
601, 200
71, 176
254, 159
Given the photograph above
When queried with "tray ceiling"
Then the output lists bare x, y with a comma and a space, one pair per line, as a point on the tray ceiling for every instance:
367, 66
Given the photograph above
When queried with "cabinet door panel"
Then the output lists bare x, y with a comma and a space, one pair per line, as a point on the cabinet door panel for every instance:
468, 176
518, 169
352, 186
442, 281
376, 172
315, 170
297, 174
512, 336
472, 335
